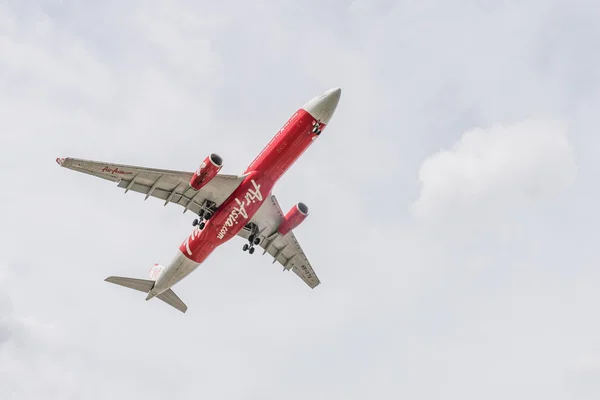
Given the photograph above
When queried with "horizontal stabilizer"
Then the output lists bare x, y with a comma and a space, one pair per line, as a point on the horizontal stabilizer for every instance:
143, 285
171, 299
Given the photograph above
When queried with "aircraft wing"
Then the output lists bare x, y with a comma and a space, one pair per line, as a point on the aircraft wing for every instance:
284, 249
168, 185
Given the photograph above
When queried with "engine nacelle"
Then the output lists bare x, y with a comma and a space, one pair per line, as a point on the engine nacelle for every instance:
293, 218
209, 168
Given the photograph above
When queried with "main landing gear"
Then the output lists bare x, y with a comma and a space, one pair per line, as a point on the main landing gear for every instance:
206, 212
201, 222
252, 240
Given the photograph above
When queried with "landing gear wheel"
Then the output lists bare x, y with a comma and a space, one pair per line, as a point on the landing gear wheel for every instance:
251, 250
195, 222
207, 215
251, 238
201, 225
245, 247
256, 240
316, 128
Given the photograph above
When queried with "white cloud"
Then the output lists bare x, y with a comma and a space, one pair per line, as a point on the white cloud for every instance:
583, 378
496, 168
32, 350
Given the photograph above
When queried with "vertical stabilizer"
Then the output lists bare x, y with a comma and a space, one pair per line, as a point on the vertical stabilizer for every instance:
156, 272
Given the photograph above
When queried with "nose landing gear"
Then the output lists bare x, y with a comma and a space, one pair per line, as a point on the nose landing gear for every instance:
316, 128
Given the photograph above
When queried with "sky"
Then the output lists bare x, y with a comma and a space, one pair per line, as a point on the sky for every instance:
453, 199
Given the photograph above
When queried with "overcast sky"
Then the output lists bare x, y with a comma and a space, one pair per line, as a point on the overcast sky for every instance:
453, 198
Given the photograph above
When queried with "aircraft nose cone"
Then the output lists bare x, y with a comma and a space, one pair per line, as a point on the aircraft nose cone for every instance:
334, 93
322, 107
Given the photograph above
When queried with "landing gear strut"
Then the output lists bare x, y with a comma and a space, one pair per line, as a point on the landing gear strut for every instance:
252, 240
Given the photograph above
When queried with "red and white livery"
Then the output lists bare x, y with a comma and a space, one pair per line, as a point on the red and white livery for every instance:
293, 218
226, 205
209, 168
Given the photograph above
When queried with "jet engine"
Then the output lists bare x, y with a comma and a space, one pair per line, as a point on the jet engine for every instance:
293, 218
209, 168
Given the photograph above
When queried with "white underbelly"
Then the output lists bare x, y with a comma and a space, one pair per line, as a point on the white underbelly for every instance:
179, 268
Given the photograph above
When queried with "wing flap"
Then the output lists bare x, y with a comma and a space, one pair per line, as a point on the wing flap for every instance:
115, 172
168, 185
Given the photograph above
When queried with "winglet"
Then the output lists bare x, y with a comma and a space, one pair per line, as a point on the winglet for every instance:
60, 161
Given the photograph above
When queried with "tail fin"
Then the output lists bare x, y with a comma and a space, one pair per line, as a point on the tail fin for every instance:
145, 285
156, 272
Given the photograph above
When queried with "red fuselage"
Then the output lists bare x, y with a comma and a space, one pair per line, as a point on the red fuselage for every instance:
276, 158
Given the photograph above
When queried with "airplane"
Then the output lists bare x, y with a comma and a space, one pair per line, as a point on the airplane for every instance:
226, 205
